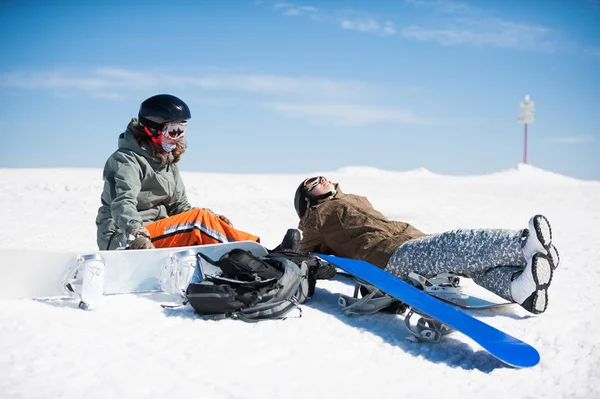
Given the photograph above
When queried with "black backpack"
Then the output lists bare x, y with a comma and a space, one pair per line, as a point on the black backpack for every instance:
312, 263
249, 288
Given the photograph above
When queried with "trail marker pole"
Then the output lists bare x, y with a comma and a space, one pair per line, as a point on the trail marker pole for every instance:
526, 111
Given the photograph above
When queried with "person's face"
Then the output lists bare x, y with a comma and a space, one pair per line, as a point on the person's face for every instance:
322, 187
174, 132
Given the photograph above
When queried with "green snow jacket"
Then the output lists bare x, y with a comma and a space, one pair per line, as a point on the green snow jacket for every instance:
138, 190
348, 226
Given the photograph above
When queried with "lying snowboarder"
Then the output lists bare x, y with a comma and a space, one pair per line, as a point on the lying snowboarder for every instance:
514, 264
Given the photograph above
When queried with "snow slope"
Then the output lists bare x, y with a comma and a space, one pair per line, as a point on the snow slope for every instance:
132, 348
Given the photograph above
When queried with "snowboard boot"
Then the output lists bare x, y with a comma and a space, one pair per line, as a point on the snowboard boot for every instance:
179, 270
325, 271
554, 257
85, 281
290, 242
530, 288
539, 240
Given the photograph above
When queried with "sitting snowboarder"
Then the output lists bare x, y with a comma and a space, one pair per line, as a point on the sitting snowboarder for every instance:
514, 264
144, 200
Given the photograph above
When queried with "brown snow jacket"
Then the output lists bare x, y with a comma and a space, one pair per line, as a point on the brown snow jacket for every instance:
348, 226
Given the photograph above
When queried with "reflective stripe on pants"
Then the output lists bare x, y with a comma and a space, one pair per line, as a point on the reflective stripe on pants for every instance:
194, 227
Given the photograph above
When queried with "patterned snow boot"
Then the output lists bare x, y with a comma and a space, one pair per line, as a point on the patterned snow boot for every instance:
530, 288
539, 240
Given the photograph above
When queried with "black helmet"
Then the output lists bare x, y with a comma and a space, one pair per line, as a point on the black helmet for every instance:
302, 199
162, 108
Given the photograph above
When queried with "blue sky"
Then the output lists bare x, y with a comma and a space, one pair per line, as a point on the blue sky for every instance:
285, 87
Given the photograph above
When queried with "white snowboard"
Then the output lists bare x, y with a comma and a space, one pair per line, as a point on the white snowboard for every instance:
39, 274
457, 290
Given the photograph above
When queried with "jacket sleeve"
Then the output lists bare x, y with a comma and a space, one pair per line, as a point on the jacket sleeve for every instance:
180, 201
127, 183
312, 240
310, 243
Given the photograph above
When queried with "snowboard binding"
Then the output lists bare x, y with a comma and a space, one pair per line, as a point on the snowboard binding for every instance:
84, 280
448, 288
372, 301
426, 328
180, 269
447, 283
423, 327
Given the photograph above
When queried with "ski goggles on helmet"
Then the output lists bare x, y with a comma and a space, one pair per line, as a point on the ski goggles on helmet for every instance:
311, 183
174, 130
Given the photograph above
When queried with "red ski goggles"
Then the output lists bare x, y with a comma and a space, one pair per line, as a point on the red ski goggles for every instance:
311, 183
174, 130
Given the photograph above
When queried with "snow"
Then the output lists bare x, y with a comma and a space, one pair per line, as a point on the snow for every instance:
132, 348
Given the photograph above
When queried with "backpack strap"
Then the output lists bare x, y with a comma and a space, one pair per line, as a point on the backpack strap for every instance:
289, 281
266, 311
242, 264
309, 265
220, 297
255, 284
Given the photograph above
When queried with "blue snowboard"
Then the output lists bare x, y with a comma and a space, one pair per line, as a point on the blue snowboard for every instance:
508, 349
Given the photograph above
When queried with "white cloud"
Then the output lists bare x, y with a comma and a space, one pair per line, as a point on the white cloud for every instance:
94, 81
292, 12
389, 29
273, 84
493, 32
347, 114
115, 82
462, 24
109, 96
290, 9
369, 25
571, 140
316, 99
447, 6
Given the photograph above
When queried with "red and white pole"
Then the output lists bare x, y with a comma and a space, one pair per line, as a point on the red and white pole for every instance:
525, 151
526, 112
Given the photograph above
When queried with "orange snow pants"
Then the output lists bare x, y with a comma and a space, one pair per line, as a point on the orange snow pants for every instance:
194, 227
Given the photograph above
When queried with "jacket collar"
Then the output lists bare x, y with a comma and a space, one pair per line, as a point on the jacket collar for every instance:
339, 194
338, 191
128, 142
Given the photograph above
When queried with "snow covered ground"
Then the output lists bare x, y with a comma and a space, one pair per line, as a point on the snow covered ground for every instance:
132, 348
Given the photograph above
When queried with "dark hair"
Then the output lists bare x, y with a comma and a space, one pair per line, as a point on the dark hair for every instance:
156, 150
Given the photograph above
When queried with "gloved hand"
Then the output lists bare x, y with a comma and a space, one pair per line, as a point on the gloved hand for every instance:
140, 239
225, 219
222, 217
